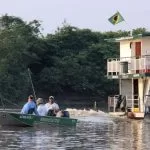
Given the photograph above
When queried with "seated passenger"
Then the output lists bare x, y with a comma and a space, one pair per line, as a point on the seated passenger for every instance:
63, 113
60, 114
41, 108
52, 107
29, 107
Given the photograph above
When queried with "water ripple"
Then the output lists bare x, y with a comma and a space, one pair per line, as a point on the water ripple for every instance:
93, 132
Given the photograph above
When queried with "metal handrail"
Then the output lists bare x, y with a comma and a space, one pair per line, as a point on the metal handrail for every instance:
142, 64
130, 103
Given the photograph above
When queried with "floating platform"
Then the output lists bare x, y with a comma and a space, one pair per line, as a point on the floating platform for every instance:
117, 113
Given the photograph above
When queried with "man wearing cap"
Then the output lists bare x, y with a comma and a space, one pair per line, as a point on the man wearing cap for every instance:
41, 108
29, 107
52, 107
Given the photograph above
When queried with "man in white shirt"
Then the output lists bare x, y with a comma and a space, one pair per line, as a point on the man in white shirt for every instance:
52, 107
41, 108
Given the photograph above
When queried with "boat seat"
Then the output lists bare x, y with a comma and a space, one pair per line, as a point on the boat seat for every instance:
30, 111
51, 113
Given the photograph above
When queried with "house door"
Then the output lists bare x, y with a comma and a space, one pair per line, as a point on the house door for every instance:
135, 92
137, 54
137, 49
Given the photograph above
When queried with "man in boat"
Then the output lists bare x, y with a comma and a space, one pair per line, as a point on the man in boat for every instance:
41, 108
52, 107
30, 106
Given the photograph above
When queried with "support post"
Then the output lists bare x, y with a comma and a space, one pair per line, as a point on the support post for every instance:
132, 94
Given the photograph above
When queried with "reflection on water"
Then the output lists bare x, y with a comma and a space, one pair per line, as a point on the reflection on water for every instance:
94, 131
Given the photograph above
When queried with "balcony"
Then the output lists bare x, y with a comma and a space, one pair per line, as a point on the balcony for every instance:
127, 67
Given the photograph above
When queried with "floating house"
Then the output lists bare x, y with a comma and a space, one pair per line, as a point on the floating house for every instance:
132, 70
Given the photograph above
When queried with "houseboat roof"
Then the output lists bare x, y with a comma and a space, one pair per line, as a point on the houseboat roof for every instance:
133, 37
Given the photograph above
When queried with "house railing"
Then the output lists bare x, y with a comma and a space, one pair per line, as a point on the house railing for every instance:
133, 65
132, 104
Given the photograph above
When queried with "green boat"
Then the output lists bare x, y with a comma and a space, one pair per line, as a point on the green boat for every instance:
24, 120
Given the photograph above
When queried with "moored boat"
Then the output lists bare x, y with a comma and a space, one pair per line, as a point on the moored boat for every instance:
24, 120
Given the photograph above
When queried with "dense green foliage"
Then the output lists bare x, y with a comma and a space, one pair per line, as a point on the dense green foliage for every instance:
71, 60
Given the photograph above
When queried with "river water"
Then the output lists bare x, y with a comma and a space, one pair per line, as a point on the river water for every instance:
94, 131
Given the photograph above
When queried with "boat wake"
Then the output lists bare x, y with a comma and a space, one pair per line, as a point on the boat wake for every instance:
84, 112
89, 115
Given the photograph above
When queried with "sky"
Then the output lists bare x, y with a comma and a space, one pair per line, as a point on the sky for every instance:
91, 14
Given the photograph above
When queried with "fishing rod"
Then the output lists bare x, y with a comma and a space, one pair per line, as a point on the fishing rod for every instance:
29, 72
2, 103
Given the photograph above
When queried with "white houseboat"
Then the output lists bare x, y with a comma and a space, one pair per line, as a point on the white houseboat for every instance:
132, 70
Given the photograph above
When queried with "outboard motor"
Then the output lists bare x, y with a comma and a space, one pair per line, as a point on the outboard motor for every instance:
66, 114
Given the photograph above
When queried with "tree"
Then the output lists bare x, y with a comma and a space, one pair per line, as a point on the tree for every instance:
17, 50
71, 60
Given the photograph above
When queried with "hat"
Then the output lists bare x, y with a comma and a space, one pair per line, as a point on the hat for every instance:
39, 101
30, 96
51, 97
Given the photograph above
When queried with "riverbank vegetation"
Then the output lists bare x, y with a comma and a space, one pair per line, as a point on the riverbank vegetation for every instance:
69, 61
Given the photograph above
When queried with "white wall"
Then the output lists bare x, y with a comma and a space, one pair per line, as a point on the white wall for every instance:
141, 94
125, 50
146, 46
126, 87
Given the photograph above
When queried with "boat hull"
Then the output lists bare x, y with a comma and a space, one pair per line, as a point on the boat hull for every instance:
9, 119
17, 119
